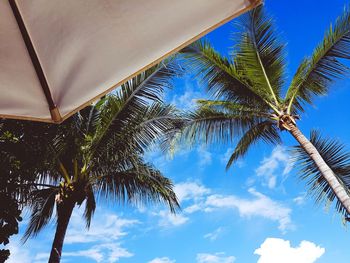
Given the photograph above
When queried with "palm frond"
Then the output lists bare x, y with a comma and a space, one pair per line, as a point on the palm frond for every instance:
140, 131
316, 74
42, 206
233, 108
260, 55
139, 185
132, 100
90, 206
220, 75
266, 131
211, 125
336, 157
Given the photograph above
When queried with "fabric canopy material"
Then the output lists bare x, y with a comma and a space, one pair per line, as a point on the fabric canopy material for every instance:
58, 56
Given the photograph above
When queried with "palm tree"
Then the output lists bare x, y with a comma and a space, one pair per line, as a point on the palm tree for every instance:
99, 152
249, 95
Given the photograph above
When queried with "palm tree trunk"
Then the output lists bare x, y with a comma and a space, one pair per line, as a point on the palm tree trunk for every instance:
64, 212
322, 166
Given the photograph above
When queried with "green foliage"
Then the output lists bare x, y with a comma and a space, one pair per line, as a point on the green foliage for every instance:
260, 55
18, 153
316, 73
98, 153
248, 95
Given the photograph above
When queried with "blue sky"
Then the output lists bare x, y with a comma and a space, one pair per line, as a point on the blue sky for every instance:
257, 212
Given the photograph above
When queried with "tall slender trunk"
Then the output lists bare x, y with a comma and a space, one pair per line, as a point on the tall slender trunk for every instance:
64, 212
322, 166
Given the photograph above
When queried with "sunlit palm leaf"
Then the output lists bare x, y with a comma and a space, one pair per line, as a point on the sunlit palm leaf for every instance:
316, 74
219, 74
259, 54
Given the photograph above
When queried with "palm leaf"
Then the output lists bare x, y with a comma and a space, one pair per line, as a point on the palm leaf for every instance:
316, 74
259, 55
266, 131
220, 75
90, 206
138, 185
42, 206
210, 124
132, 99
336, 157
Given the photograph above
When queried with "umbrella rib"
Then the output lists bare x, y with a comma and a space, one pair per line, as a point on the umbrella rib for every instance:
55, 114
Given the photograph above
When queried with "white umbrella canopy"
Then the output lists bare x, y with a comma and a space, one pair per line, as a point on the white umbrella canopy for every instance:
58, 56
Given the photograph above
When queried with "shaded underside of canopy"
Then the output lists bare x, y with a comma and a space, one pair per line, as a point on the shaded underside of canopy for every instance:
85, 48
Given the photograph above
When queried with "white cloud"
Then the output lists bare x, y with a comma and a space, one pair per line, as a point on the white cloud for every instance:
18, 254
187, 100
101, 243
300, 200
168, 219
110, 252
275, 250
259, 205
190, 191
226, 157
278, 159
205, 157
214, 235
162, 260
193, 208
214, 258
201, 199
105, 227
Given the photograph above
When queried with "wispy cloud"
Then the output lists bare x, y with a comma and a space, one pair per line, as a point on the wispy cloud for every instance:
162, 260
195, 197
101, 243
279, 159
190, 191
18, 253
226, 157
214, 258
167, 219
275, 250
300, 199
108, 252
258, 206
204, 156
187, 99
104, 228
214, 235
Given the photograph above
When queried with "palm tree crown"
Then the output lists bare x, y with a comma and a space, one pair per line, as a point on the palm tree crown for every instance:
99, 152
249, 98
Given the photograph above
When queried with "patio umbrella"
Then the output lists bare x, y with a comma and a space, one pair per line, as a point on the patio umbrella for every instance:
58, 56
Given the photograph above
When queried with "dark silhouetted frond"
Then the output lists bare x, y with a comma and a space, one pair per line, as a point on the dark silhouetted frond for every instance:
42, 206
266, 131
336, 157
